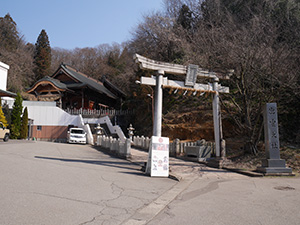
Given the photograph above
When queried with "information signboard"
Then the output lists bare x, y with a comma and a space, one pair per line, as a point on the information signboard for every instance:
159, 157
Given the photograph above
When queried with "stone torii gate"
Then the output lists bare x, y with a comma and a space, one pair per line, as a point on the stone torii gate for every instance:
191, 72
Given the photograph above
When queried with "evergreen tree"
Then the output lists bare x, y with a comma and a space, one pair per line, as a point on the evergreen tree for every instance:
6, 111
185, 18
42, 56
16, 117
2, 116
9, 36
24, 125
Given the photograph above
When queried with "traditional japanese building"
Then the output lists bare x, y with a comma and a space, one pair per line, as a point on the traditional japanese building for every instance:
72, 89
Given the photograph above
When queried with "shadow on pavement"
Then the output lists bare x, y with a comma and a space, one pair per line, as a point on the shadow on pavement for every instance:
215, 171
115, 164
136, 173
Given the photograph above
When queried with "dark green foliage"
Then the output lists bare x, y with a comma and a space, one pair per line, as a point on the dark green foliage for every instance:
42, 56
16, 117
17, 54
9, 35
185, 18
24, 125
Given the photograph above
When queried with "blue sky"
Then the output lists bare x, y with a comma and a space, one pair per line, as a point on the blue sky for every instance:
78, 23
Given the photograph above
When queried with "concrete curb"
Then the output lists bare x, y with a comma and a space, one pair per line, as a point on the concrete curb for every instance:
147, 213
244, 172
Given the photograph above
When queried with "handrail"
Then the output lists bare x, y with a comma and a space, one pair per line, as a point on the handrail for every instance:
99, 112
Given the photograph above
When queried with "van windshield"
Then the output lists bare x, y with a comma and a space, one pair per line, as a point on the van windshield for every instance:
77, 131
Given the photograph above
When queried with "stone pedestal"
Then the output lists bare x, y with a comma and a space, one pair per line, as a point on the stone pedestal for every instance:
218, 162
272, 165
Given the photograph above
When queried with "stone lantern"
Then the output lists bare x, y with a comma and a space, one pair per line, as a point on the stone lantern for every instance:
99, 131
130, 131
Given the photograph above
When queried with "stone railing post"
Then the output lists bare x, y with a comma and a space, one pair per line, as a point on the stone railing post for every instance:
177, 146
143, 142
147, 143
127, 148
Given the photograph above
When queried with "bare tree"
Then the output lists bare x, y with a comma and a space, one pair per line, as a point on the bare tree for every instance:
256, 38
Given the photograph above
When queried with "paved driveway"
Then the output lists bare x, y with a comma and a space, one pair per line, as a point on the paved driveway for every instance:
55, 183
218, 199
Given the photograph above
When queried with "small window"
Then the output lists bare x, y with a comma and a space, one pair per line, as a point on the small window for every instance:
39, 128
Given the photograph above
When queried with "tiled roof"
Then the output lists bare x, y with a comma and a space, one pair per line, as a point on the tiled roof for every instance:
85, 80
105, 81
7, 94
56, 82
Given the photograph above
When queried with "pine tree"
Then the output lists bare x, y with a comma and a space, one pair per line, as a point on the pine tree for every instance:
185, 18
2, 116
16, 117
42, 56
24, 125
9, 35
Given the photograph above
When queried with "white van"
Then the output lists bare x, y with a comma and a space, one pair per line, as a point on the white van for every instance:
76, 135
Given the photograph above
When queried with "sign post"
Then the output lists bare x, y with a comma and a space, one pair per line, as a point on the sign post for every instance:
159, 157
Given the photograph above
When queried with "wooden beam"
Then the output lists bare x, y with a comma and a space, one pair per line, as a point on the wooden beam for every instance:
42, 84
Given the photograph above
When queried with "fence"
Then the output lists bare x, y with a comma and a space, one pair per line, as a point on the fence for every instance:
176, 148
99, 112
116, 146
141, 142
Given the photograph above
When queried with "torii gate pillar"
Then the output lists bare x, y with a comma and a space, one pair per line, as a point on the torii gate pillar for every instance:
158, 104
217, 118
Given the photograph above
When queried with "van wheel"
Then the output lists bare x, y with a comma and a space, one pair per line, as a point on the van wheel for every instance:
6, 137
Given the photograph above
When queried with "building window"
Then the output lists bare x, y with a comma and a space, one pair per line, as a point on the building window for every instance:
39, 128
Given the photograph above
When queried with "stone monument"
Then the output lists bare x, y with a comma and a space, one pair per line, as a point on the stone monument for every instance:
272, 165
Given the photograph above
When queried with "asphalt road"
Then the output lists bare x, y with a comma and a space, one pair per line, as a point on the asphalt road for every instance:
54, 183
228, 199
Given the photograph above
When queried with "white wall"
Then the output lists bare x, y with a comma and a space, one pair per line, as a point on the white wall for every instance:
3, 75
10, 102
51, 116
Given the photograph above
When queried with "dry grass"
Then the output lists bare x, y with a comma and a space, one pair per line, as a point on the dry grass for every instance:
290, 154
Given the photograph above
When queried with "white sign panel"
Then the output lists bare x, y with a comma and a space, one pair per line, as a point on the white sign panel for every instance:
159, 157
